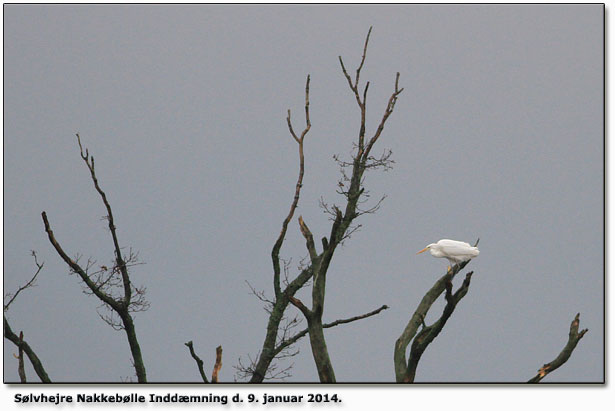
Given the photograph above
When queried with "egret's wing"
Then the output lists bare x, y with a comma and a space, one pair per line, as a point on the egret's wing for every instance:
453, 243
457, 249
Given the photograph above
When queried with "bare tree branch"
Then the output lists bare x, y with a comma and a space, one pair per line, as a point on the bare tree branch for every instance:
217, 365
275, 252
341, 228
273, 372
19, 341
355, 89
387, 112
22, 344
309, 240
356, 80
266, 356
76, 268
429, 333
198, 360
574, 336
132, 300
89, 161
403, 369
297, 303
261, 296
29, 284
301, 334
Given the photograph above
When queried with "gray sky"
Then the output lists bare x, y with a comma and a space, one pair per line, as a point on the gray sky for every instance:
497, 135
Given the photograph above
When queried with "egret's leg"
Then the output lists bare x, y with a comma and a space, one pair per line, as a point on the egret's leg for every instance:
451, 267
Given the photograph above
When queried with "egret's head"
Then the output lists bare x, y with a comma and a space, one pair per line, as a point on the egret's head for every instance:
426, 248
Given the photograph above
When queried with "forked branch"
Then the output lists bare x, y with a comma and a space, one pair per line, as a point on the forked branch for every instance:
287, 342
121, 264
101, 286
387, 112
199, 363
340, 229
275, 252
20, 343
341, 225
429, 332
29, 284
23, 345
260, 368
405, 369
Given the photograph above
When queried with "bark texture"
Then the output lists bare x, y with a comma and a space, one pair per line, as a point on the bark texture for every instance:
405, 369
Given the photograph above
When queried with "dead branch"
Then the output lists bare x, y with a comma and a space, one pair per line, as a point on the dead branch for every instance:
403, 368
30, 283
574, 336
387, 112
217, 365
198, 360
75, 267
342, 221
273, 372
89, 161
429, 332
23, 345
19, 341
309, 240
132, 298
275, 252
281, 300
341, 228
355, 89
287, 342
261, 296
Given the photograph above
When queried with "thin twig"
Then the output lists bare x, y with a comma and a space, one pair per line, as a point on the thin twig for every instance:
28, 284
301, 334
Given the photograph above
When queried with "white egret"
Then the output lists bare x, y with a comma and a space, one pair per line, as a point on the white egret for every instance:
454, 251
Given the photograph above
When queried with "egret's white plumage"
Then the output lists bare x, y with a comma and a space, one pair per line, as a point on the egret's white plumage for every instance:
454, 251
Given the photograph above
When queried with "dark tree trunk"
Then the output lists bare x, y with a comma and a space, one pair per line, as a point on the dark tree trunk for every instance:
135, 349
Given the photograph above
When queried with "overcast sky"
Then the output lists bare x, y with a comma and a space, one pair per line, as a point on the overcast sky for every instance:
498, 135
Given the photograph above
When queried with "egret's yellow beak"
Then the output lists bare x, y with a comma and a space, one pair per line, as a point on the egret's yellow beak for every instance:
423, 250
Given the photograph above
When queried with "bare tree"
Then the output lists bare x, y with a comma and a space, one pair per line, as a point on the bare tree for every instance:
18, 340
351, 188
120, 298
405, 369
111, 285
